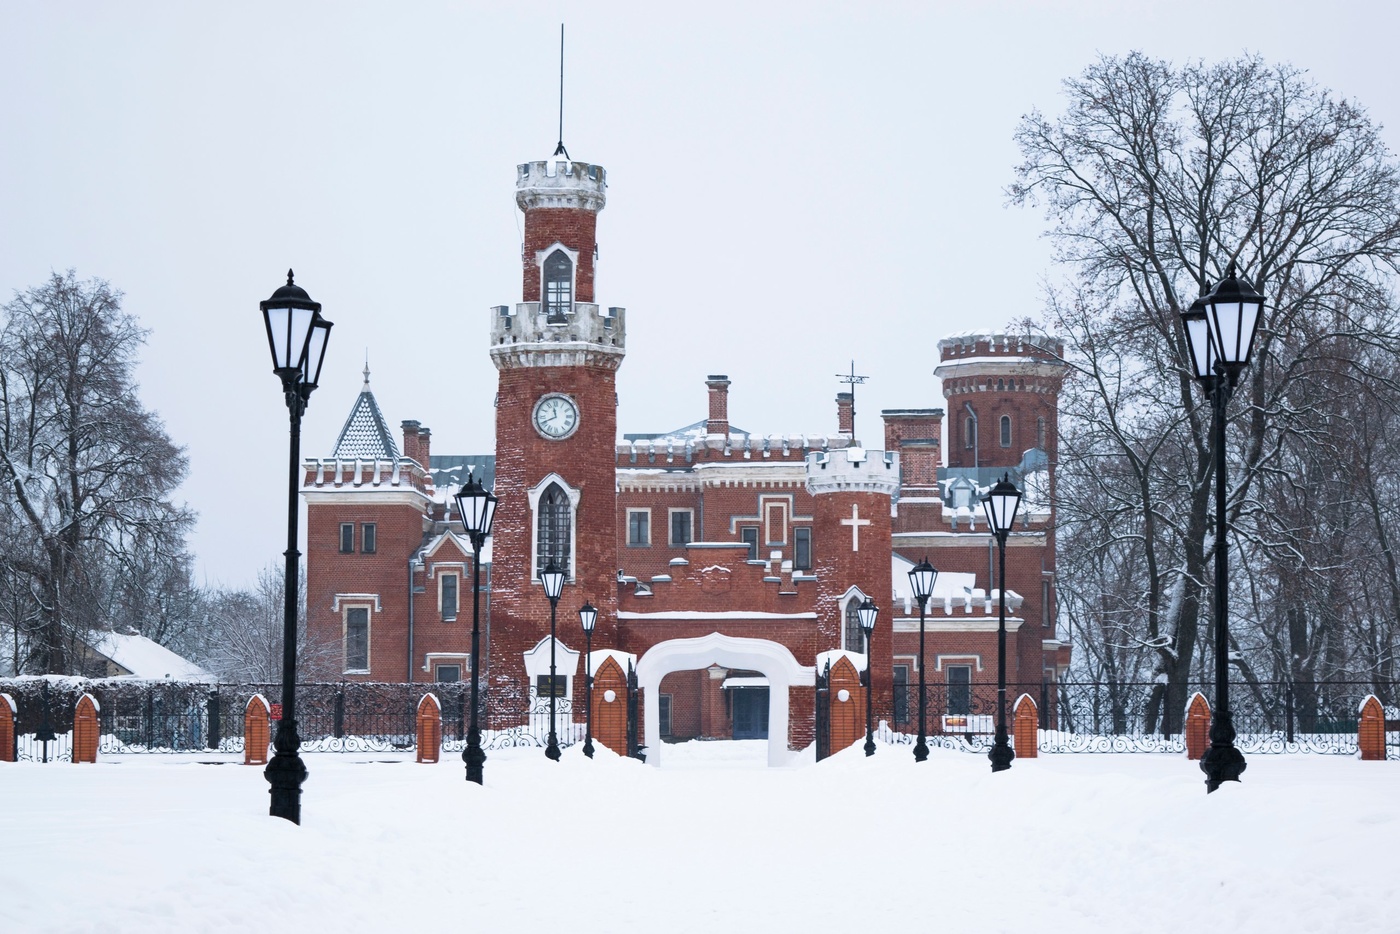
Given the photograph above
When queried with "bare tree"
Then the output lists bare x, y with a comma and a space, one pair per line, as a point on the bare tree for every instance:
1154, 178
241, 634
86, 473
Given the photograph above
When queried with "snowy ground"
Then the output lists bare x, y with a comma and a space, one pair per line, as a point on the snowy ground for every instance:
712, 841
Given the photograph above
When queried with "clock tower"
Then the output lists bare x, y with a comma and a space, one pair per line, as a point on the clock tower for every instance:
557, 354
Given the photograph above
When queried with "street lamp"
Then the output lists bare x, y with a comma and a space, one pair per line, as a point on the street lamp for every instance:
297, 336
477, 507
921, 579
587, 618
1220, 329
552, 577
866, 613
1001, 504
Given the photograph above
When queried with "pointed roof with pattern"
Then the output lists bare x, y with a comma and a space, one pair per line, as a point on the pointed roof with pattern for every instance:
365, 433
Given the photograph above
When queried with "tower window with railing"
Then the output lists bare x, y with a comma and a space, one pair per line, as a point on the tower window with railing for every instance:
558, 287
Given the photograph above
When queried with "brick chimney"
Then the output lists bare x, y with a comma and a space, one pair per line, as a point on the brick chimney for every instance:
718, 423
425, 443
410, 439
845, 413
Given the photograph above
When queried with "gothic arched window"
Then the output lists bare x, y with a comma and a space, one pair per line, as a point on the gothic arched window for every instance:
558, 286
554, 517
855, 639
1006, 431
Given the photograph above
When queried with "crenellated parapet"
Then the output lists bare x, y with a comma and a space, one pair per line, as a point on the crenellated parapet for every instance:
365, 474
589, 335
853, 470
559, 183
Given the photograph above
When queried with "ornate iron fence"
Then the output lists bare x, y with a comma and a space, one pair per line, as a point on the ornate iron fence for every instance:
173, 717
1269, 717
170, 717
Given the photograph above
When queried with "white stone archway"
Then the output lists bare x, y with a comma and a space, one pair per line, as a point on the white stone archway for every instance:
771, 658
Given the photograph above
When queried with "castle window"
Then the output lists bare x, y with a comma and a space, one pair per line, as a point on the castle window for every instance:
749, 535
368, 538
663, 713
959, 690
854, 638
1006, 431
558, 287
969, 432
357, 639
901, 693
347, 537
1040, 433
554, 529
802, 548
680, 527
447, 597
447, 673
638, 527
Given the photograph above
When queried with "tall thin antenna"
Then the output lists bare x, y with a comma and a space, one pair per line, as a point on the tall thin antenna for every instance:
852, 379
560, 148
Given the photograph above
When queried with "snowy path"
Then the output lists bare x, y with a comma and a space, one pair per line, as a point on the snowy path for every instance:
1086, 843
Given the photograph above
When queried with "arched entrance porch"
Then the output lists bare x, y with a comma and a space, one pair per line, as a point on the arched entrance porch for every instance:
771, 658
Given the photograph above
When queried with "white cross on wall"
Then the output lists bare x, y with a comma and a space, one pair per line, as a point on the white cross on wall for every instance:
855, 522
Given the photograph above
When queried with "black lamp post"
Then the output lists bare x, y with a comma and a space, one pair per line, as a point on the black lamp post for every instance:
552, 577
477, 507
1220, 329
921, 579
587, 618
867, 612
297, 336
1001, 504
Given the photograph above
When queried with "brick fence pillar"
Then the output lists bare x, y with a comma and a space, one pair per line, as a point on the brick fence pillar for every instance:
8, 713
429, 728
1197, 726
1370, 732
1025, 728
85, 729
257, 730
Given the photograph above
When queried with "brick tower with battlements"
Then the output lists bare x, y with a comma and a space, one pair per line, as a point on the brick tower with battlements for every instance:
557, 354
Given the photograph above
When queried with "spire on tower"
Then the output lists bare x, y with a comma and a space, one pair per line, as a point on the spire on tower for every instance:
560, 150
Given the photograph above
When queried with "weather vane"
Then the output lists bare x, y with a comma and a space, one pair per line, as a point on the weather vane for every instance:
851, 379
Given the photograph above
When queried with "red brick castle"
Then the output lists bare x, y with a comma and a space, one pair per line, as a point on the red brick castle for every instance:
726, 565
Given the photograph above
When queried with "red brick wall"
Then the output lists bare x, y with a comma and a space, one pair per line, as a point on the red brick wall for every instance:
577, 229
399, 533
685, 688
520, 615
802, 718
840, 567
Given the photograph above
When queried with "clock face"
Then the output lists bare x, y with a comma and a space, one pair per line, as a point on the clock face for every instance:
556, 417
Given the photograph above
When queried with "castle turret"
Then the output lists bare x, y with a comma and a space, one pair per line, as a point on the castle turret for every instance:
851, 490
1003, 395
557, 353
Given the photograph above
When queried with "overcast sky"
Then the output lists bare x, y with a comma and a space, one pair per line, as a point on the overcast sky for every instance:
791, 185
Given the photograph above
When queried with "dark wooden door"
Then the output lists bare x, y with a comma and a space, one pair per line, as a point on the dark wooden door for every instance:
750, 713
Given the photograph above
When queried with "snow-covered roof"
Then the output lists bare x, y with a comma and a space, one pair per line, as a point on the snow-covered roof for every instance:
693, 431
365, 433
147, 659
949, 585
